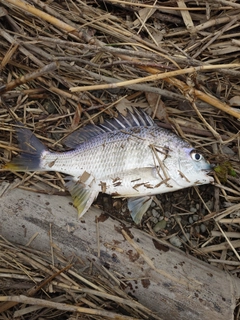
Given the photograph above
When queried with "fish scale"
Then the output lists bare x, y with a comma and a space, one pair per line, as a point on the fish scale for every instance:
127, 156
104, 156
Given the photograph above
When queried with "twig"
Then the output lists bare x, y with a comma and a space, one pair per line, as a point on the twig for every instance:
28, 77
64, 307
154, 77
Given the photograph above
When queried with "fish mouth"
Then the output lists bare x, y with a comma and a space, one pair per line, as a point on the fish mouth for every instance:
209, 169
208, 174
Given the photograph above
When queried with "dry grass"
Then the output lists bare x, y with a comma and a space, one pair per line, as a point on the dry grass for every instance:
66, 63
30, 277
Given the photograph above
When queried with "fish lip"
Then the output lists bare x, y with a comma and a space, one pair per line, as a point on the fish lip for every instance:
207, 171
209, 175
210, 169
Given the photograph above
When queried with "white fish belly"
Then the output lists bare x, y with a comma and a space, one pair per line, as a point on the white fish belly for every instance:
139, 182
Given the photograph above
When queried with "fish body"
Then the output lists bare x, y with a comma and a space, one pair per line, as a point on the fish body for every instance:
125, 157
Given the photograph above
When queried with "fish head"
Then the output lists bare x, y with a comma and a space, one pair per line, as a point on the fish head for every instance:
187, 167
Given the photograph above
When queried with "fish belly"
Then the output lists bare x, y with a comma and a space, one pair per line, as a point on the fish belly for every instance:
138, 183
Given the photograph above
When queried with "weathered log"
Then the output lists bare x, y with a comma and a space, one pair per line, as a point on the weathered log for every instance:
166, 280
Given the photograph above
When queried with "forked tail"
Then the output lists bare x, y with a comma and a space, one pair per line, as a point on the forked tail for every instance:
31, 151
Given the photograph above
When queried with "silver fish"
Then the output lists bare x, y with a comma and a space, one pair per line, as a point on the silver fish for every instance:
128, 156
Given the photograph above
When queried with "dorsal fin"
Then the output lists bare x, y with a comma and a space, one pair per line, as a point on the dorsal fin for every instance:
137, 118
81, 135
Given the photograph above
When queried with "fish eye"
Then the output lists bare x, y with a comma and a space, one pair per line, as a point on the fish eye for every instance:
196, 156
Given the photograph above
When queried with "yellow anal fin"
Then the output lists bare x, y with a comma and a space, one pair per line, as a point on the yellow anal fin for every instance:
82, 196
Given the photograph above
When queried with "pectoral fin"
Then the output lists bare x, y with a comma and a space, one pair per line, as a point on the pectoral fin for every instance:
82, 196
138, 206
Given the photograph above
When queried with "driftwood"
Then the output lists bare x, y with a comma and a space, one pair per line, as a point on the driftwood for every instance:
164, 279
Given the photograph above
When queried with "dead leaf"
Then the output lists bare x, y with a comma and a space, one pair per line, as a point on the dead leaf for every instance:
77, 117
157, 35
235, 101
144, 14
84, 177
123, 106
157, 105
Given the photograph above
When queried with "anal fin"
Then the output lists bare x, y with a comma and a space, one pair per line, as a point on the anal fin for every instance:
82, 195
138, 206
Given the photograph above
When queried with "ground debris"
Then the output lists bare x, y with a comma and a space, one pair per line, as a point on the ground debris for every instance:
66, 64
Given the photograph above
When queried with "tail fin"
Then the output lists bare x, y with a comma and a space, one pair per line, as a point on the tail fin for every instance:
31, 151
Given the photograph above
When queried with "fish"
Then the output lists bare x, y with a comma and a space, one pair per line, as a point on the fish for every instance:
128, 156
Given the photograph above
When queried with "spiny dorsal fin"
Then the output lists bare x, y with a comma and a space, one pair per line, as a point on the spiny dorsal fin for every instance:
137, 118
81, 135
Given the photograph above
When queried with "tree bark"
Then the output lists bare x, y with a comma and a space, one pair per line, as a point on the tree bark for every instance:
164, 279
